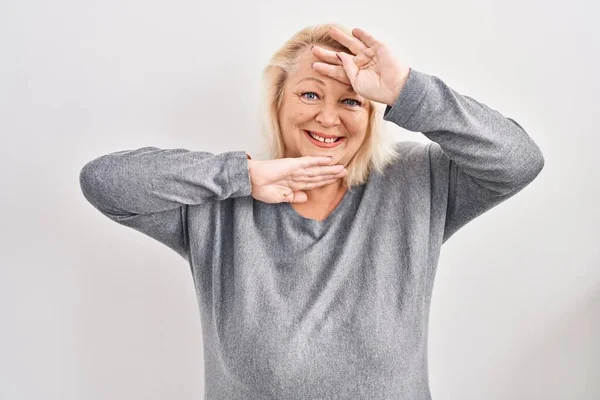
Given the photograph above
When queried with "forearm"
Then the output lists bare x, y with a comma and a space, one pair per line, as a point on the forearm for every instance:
149, 179
489, 147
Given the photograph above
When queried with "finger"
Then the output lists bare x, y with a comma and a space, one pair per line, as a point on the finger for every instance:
364, 57
330, 56
352, 43
333, 71
364, 37
296, 197
349, 66
327, 56
370, 52
303, 173
310, 161
319, 178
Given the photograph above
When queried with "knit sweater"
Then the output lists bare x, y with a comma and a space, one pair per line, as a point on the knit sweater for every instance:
296, 308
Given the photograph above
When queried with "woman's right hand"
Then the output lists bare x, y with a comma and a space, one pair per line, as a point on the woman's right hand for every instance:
283, 180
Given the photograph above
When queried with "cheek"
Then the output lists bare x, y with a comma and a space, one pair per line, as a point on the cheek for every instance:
293, 120
357, 125
299, 116
296, 112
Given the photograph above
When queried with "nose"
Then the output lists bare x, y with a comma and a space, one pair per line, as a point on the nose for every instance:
328, 115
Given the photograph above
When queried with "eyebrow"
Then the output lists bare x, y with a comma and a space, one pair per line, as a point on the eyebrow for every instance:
348, 89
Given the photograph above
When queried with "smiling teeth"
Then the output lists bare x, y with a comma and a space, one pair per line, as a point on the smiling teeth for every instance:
320, 139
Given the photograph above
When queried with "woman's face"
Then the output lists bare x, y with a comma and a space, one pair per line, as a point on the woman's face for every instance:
325, 106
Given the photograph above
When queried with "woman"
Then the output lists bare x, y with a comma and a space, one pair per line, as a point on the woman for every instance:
314, 274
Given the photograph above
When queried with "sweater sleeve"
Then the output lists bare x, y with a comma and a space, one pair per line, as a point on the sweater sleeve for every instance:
481, 156
149, 189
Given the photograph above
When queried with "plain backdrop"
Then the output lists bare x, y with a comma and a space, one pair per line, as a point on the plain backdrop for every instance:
94, 310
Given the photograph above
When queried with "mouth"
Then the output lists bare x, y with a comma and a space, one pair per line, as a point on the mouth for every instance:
319, 143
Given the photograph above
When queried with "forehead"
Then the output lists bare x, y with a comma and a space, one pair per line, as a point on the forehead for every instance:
304, 70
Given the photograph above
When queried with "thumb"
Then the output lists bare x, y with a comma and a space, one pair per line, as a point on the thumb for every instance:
297, 197
349, 66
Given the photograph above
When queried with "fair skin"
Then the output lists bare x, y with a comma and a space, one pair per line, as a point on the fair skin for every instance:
304, 176
327, 106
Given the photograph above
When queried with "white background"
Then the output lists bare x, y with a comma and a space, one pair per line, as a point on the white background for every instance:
93, 310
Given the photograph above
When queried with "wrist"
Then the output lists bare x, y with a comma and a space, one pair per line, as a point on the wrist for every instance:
249, 162
398, 89
249, 166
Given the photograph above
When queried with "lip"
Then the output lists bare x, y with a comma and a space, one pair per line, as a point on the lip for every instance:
321, 144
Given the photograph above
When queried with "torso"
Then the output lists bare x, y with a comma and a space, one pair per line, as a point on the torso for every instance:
297, 308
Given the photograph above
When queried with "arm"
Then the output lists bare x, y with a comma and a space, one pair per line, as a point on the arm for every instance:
484, 156
149, 189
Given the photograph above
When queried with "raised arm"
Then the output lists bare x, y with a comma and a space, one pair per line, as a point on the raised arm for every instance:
149, 189
483, 156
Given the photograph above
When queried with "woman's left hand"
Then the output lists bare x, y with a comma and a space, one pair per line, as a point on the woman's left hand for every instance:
372, 70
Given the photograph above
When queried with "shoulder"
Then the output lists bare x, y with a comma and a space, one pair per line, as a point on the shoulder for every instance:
412, 148
411, 155
412, 161
411, 152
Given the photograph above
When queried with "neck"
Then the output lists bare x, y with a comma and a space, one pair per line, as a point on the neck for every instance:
326, 195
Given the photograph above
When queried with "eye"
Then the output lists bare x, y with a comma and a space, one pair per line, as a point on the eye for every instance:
357, 102
303, 93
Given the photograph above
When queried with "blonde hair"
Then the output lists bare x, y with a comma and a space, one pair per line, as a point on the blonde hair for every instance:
378, 148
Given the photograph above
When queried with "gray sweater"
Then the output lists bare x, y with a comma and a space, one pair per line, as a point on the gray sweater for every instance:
295, 308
